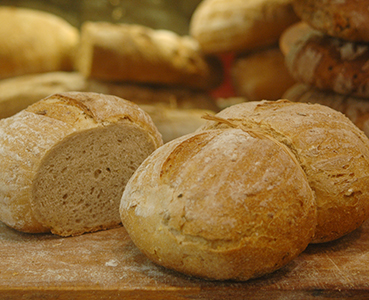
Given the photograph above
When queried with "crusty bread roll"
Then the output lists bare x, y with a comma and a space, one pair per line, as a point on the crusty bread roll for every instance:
18, 92
33, 41
173, 122
238, 25
332, 151
356, 109
66, 159
220, 204
261, 75
135, 53
347, 19
330, 63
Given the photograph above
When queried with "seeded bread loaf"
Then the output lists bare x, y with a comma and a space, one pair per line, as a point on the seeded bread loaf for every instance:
331, 150
135, 53
329, 63
34, 41
66, 159
220, 204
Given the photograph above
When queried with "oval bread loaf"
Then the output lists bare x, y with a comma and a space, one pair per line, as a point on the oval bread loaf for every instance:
332, 151
34, 41
135, 53
220, 204
66, 159
238, 25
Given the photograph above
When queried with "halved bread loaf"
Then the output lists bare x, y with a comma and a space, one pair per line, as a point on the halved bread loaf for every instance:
66, 159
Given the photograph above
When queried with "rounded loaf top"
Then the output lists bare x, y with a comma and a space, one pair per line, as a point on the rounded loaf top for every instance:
220, 204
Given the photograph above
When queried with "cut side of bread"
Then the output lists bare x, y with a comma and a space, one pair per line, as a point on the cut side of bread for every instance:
66, 160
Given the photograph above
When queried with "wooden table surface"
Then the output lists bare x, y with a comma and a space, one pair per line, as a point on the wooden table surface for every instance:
107, 265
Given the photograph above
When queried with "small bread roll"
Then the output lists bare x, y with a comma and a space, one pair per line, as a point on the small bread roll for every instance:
135, 53
332, 151
209, 205
346, 19
330, 63
356, 109
261, 75
66, 159
238, 25
34, 41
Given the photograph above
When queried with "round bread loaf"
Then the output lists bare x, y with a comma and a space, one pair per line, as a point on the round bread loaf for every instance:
345, 19
66, 159
356, 109
331, 150
135, 53
330, 63
209, 205
261, 75
34, 41
238, 25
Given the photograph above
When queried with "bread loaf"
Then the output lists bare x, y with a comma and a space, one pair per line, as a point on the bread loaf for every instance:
220, 204
135, 53
33, 41
330, 63
238, 25
331, 150
347, 19
66, 159
261, 75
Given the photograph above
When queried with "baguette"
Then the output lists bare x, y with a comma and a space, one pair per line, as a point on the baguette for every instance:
33, 41
332, 151
66, 159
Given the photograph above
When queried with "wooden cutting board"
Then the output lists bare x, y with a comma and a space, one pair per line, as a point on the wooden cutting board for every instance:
107, 265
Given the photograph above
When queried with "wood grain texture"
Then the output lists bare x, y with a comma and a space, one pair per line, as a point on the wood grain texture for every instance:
107, 265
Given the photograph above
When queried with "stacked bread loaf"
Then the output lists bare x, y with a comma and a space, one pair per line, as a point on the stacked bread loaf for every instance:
328, 51
245, 34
